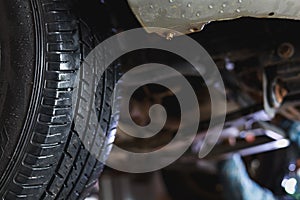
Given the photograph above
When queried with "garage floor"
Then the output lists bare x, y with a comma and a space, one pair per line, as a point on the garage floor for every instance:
123, 186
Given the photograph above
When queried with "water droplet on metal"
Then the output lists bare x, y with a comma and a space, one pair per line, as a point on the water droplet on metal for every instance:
240, 1
198, 14
210, 6
189, 5
171, 1
238, 10
224, 5
151, 6
221, 11
183, 16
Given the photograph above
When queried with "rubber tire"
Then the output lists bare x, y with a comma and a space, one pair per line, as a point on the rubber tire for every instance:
43, 43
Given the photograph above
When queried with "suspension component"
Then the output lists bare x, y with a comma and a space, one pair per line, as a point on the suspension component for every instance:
282, 88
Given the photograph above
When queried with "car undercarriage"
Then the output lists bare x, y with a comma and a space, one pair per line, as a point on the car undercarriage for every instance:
65, 94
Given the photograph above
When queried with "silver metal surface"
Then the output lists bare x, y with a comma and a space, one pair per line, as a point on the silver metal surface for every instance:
270, 146
187, 16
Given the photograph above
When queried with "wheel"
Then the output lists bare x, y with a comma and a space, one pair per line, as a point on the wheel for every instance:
43, 43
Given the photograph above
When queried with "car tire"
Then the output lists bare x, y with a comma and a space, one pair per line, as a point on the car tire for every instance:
43, 43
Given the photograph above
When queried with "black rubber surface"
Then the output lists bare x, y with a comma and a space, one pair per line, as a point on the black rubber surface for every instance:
43, 44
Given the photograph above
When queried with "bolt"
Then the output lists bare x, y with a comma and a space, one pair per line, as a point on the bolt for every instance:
286, 50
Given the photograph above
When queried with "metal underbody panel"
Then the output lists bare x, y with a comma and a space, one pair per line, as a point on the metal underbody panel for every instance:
187, 16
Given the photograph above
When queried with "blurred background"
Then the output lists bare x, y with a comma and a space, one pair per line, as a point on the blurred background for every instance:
257, 156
